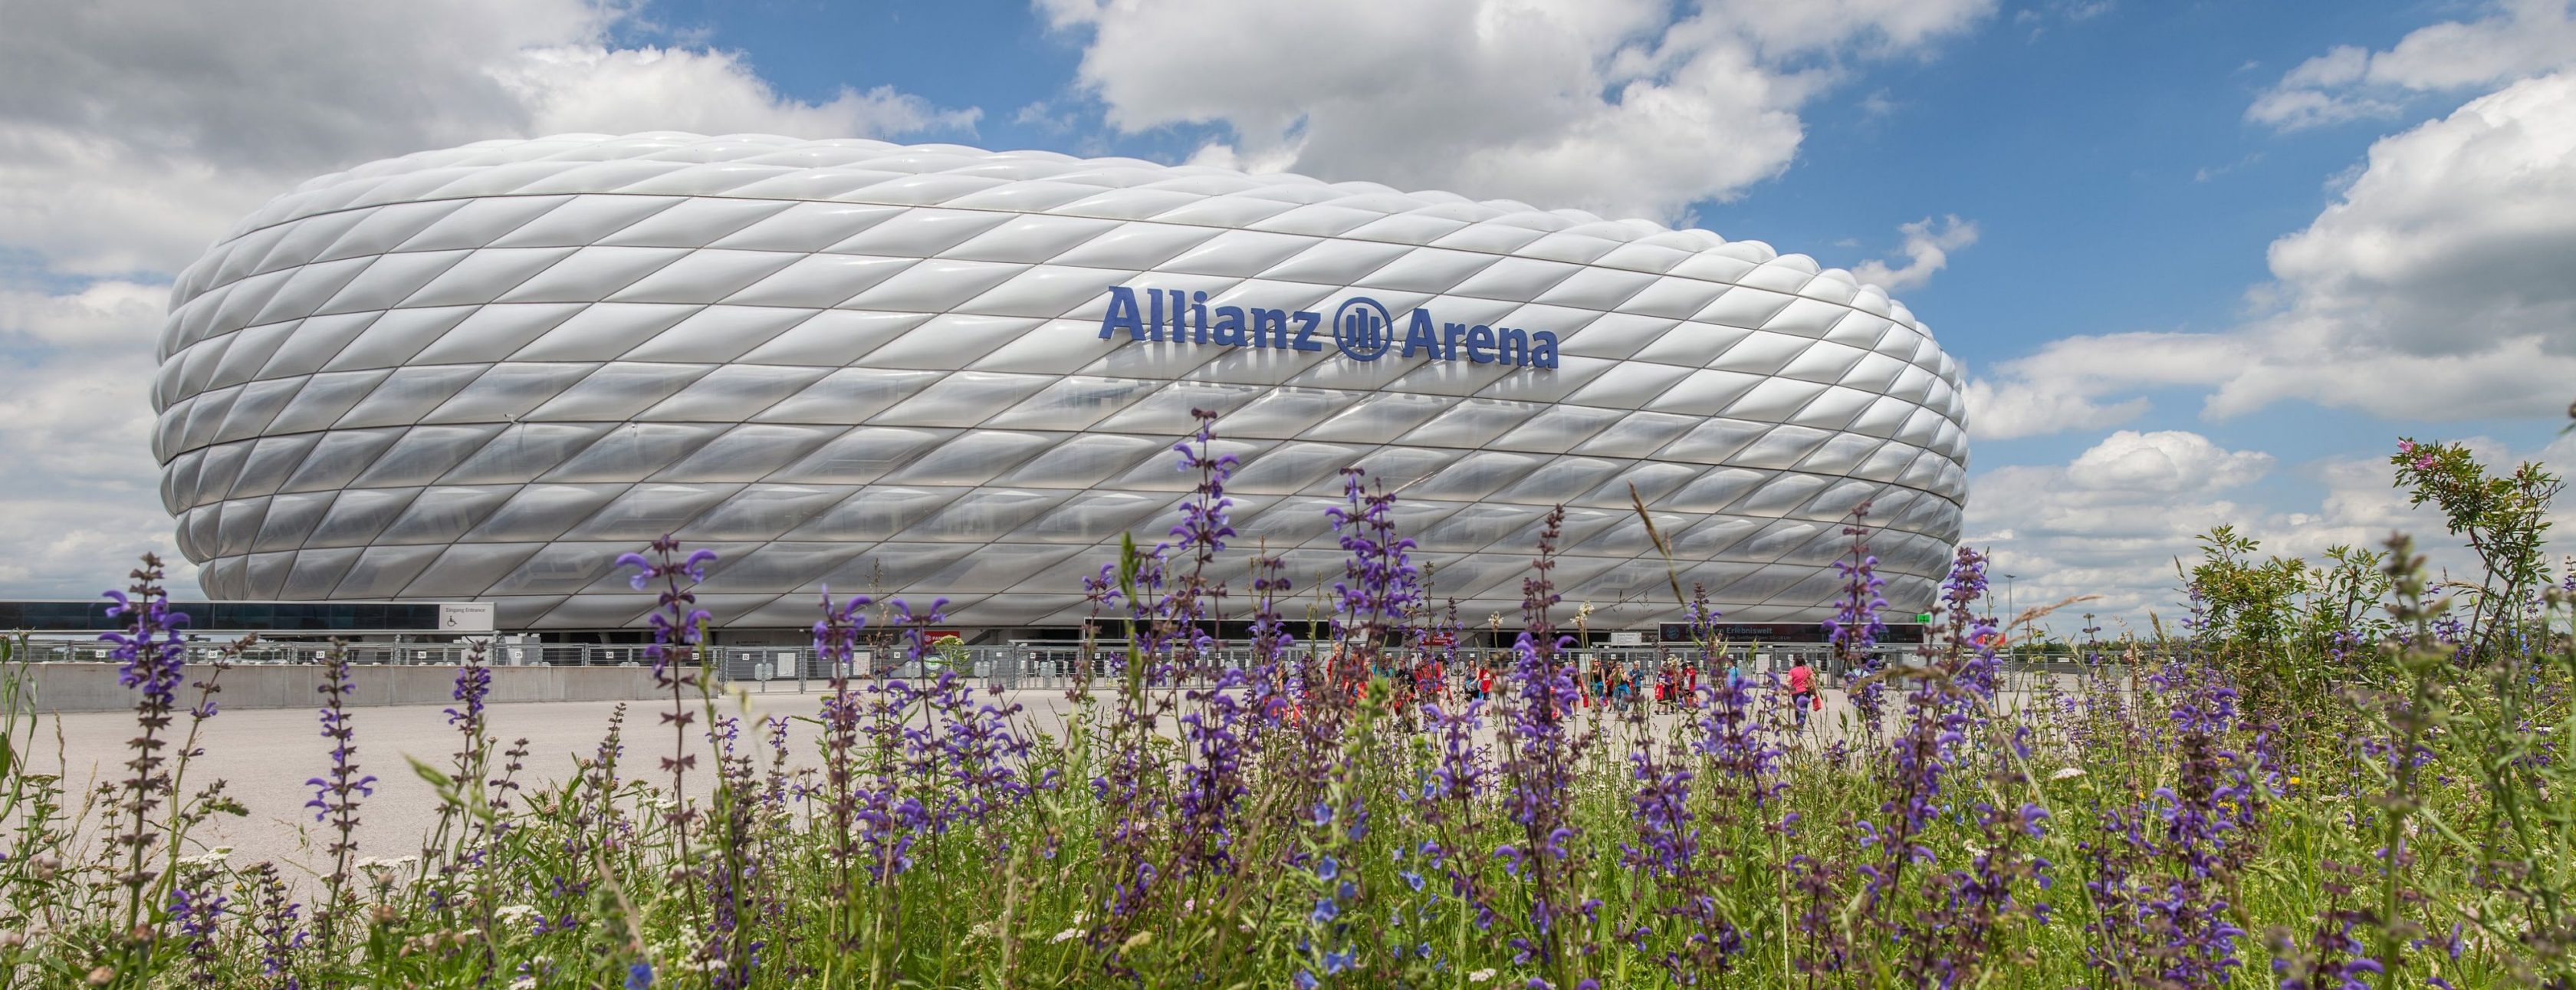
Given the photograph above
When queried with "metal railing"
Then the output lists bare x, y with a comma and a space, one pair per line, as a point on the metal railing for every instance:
428, 654
1019, 665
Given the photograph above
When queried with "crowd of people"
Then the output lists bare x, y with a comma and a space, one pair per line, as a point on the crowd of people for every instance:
1671, 684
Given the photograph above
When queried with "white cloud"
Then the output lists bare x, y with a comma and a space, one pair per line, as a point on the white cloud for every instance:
76, 546
2038, 17
84, 318
2441, 285
2021, 408
2118, 518
594, 88
1044, 116
2165, 462
2458, 233
1927, 249
1608, 105
71, 399
2515, 39
133, 132
2111, 521
76, 433
2208, 172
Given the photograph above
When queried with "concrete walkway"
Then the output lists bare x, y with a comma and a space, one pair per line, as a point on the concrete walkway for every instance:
265, 757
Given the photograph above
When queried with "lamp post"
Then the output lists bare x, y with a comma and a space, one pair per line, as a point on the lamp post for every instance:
2008, 607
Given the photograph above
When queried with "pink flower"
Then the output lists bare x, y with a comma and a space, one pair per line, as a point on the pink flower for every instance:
2406, 446
2424, 463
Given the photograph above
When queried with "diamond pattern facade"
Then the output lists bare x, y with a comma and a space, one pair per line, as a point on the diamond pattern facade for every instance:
481, 373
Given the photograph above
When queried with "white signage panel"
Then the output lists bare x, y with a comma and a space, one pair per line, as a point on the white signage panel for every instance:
465, 617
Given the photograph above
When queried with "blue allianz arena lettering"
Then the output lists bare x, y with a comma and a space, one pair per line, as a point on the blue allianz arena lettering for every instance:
1362, 329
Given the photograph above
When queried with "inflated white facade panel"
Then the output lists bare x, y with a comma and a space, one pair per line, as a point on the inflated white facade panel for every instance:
482, 373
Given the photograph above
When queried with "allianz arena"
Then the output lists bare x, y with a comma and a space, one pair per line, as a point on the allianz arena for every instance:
483, 372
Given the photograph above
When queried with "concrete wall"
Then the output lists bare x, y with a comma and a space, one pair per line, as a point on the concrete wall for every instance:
92, 687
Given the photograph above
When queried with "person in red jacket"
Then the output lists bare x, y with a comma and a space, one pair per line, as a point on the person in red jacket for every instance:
1802, 690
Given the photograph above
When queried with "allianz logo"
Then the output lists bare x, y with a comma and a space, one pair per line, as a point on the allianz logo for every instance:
1361, 328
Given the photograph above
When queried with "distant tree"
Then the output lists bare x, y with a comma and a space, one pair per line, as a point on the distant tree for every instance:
2248, 612
2505, 518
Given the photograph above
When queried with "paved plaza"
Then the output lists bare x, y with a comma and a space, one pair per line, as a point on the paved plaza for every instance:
265, 756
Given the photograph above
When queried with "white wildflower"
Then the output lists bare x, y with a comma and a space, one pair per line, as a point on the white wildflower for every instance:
2067, 773
1067, 935
515, 914
1480, 976
524, 983
211, 857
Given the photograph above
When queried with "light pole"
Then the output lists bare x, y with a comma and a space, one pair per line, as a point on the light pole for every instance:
2008, 607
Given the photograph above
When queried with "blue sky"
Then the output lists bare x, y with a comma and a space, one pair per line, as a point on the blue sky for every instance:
2102, 150
2078, 147
2204, 261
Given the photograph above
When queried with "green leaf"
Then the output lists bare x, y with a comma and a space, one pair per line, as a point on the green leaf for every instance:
433, 775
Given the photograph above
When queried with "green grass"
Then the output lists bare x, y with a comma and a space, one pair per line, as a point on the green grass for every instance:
572, 883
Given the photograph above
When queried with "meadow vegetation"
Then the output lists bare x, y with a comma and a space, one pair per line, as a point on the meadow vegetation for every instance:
2328, 775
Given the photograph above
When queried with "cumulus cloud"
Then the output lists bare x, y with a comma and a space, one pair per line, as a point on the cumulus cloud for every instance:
2022, 408
75, 431
1609, 105
2120, 519
2515, 39
2440, 285
2458, 233
133, 132
2165, 462
1927, 249
596, 88
2111, 521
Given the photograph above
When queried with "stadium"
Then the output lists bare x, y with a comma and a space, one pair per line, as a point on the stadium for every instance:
480, 374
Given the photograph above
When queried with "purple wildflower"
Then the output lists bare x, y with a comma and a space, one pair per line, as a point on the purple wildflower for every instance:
1379, 584
336, 792
1540, 758
1856, 627
151, 651
195, 908
835, 638
677, 623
